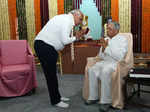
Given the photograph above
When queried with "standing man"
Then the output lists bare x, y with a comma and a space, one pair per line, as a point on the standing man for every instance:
57, 33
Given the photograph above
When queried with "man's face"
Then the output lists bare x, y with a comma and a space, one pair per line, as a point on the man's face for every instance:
111, 31
78, 19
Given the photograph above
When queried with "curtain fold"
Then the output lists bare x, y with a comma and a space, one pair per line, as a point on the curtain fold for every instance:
12, 18
30, 19
115, 10
21, 19
68, 5
65, 6
44, 12
60, 6
4, 22
105, 9
145, 26
136, 13
73, 4
52, 8
37, 15
125, 15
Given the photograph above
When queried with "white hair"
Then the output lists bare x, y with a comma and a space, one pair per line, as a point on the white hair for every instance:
76, 11
116, 25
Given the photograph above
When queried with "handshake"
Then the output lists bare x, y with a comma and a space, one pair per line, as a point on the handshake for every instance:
80, 33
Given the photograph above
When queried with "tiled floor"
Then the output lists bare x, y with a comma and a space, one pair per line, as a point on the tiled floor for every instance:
70, 86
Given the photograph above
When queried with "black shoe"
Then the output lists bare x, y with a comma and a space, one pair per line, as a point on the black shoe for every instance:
104, 107
90, 102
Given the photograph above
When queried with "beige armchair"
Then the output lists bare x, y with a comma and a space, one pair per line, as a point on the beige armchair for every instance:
117, 77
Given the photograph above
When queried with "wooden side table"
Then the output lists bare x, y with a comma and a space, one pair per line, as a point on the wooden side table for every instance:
82, 50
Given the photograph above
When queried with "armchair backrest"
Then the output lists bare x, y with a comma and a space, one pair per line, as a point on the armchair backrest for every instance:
13, 52
129, 56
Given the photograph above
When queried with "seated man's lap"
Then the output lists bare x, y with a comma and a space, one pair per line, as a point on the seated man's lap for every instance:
103, 67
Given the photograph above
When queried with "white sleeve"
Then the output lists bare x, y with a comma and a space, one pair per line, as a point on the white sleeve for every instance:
117, 50
65, 37
101, 54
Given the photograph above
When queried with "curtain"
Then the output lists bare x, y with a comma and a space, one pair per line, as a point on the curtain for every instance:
68, 5
115, 10
105, 9
44, 12
145, 26
52, 4
30, 19
37, 15
4, 22
60, 6
76, 4
12, 18
125, 15
21, 15
136, 14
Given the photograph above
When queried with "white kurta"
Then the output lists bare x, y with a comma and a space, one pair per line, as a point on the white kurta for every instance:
114, 52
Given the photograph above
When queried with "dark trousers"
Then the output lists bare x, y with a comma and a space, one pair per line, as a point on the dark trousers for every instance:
48, 59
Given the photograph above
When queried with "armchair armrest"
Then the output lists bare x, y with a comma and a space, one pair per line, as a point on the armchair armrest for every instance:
122, 63
0, 68
31, 62
0, 65
124, 68
92, 60
29, 50
30, 59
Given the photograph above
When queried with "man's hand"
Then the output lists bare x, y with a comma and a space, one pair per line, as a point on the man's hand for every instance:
104, 43
79, 34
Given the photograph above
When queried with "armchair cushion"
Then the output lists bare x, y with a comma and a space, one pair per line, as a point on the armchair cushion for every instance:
9, 72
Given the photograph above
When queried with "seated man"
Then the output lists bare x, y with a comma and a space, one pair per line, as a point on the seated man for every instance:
113, 50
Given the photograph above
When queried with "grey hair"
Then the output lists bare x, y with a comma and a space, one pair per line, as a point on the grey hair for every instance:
116, 25
76, 11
